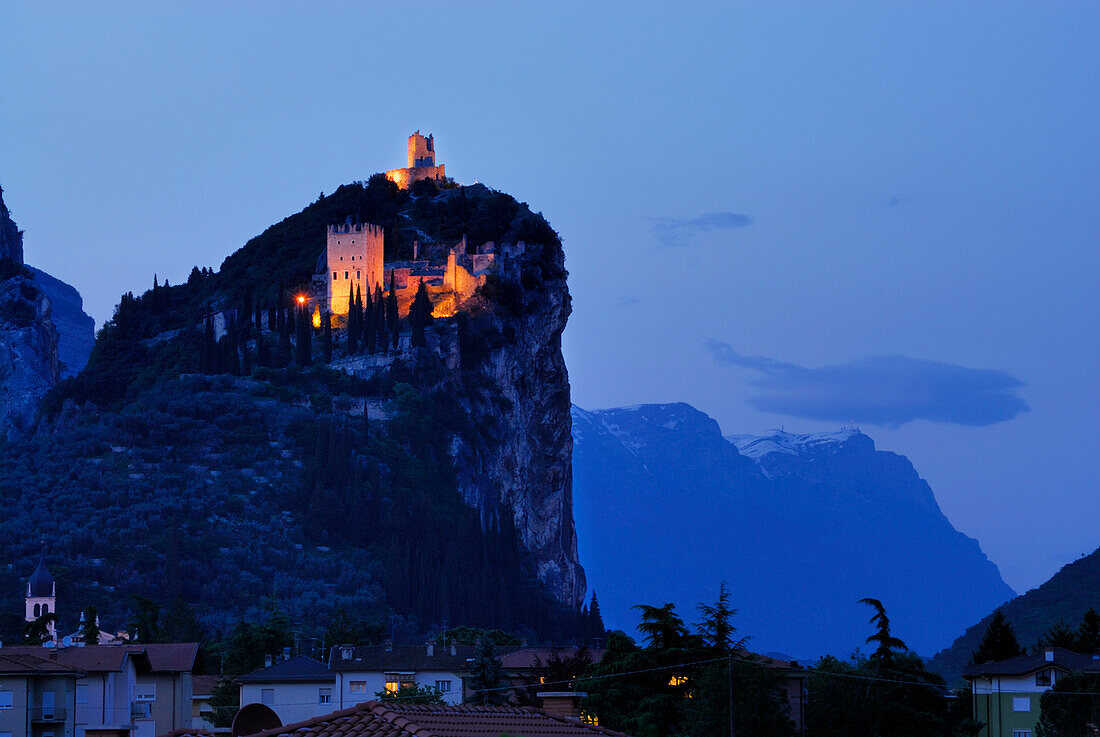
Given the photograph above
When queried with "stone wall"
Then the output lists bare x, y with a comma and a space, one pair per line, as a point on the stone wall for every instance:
354, 259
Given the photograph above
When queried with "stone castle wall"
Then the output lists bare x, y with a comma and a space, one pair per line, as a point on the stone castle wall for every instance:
354, 258
405, 177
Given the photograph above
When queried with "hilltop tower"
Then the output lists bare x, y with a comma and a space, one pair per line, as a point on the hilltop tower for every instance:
41, 597
421, 162
353, 254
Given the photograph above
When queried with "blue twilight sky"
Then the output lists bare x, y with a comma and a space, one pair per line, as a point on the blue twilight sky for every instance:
792, 214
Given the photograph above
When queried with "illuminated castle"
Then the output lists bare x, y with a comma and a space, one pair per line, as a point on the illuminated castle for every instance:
353, 255
421, 163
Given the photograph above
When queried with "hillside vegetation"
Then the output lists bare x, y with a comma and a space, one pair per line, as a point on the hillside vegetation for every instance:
153, 474
1064, 598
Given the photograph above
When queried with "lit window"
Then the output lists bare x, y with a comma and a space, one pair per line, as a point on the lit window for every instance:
357, 686
267, 696
1021, 703
443, 686
397, 681
324, 696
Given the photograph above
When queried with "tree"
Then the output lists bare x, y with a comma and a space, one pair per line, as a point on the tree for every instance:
180, 623
225, 700
420, 316
717, 629
1088, 634
886, 642
998, 643
353, 323
661, 627
487, 682
1059, 635
89, 626
412, 695
391, 312
37, 632
326, 336
380, 319
1071, 708
145, 625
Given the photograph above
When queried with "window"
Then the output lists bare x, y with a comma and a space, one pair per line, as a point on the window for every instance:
1021, 733
45, 609
1021, 703
397, 681
1042, 678
334, 276
146, 692
358, 274
357, 686
82, 693
38, 610
267, 696
324, 696
5, 700
345, 275
5, 734
443, 686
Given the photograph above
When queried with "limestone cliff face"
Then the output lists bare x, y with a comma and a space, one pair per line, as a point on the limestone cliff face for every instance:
11, 238
515, 387
28, 353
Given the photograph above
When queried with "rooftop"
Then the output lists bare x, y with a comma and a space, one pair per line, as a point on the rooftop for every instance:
372, 658
1025, 664
377, 719
299, 669
20, 663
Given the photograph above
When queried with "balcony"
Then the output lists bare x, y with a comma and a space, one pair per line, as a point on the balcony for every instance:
48, 714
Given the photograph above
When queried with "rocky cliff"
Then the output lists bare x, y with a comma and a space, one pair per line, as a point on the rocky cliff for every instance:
800, 526
75, 328
11, 238
28, 352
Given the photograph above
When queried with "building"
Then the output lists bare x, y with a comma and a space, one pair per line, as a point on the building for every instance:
139, 690
37, 696
202, 713
406, 720
295, 689
1007, 693
353, 259
421, 163
41, 597
363, 672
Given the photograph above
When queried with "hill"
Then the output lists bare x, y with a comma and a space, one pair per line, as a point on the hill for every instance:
800, 526
406, 488
1066, 596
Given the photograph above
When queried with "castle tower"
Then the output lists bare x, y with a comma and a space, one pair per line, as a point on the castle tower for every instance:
354, 257
421, 162
41, 597
421, 150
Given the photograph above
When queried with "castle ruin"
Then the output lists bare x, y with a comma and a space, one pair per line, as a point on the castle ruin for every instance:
353, 258
421, 163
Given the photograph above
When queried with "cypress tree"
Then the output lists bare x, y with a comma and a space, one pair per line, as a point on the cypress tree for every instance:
233, 363
391, 312
380, 318
420, 316
326, 335
353, 324
282, 348
246, 359
364, 316
259, 321
246, 312
272, 320
1088, 634
279, 317
208, 348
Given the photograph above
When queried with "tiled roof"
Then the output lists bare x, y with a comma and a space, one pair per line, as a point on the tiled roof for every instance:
299, 669
20, 663
88, 658
170, 656
377, 658
203, 686
377, 719
1024, 664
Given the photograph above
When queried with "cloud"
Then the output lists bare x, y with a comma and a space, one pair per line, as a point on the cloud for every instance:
677, 231
880, 390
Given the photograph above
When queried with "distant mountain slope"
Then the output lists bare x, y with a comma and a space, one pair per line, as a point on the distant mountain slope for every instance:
1067, 595
801, 526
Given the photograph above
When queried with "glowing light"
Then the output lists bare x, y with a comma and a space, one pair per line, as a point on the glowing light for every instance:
317, 316
301, 299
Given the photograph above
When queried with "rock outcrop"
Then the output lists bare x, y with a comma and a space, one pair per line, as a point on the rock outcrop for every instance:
800, 526
515, 387
75, 328
11, 238
28, 352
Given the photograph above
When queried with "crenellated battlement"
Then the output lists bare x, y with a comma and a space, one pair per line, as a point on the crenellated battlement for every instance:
421, 163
